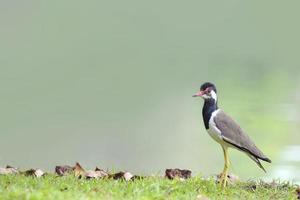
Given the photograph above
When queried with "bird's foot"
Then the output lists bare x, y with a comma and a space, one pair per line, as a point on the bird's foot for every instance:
223, 179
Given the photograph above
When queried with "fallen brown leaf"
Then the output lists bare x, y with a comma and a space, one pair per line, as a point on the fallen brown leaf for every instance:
182, 174
13, 169
117, 176
298, 192
95, 174
8, 166
34, 172
102, 171
78, 170
98, 173
66, 169
136, 177
92, 174
127, 176
63, 170
8, 170
39, 173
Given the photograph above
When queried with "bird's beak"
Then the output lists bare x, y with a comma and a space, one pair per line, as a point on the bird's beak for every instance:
198, 94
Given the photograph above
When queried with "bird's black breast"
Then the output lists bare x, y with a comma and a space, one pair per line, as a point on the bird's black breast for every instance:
208, 108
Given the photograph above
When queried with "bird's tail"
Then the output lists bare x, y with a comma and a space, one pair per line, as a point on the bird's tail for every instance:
255, 159
266, 159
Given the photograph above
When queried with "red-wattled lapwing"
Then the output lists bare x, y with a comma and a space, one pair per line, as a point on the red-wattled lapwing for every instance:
223, 129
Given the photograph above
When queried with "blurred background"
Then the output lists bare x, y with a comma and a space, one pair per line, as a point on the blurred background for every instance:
110, 83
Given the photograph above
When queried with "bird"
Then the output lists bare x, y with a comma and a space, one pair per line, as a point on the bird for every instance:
224, 130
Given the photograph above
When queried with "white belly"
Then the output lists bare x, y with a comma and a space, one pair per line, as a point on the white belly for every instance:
213, 131
214, 134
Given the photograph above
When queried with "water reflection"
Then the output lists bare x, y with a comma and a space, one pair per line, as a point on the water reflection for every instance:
288, 167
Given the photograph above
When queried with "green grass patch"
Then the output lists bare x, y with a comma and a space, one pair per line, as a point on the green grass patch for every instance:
70, 187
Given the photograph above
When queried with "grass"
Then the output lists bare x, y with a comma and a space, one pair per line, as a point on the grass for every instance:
70, 187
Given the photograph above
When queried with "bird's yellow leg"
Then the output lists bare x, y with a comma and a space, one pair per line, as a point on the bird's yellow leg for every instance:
223, 178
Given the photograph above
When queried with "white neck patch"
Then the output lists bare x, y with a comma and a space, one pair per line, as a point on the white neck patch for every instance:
214, 95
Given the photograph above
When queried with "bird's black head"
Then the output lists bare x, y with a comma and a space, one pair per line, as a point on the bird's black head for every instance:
207, 91
207, 85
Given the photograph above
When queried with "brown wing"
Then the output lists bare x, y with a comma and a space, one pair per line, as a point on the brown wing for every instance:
233, 134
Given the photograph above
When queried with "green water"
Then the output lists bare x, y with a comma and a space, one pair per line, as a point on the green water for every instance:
110, 83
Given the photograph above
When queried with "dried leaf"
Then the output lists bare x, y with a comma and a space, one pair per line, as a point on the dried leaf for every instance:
98, 169
298, 192
117, 176
78, 170
8, 166
63, 170
8, 170
39, 173
136, 177
66, 169
104, 173
95, 174
13, 169
92, 174
34, 172
29, 172
178, 173
127, 176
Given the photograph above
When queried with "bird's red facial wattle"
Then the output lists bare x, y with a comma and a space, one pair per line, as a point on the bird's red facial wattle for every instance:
202, 92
